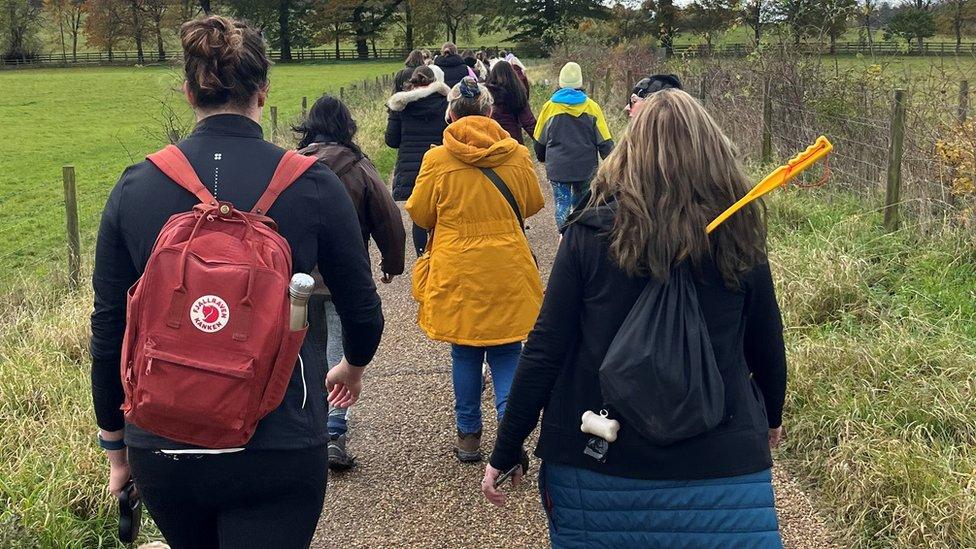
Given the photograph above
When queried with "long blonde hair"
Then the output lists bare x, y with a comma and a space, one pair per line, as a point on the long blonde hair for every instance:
671, 174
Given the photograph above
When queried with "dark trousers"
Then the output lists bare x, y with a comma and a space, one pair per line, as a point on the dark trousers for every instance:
253, 498
419, 239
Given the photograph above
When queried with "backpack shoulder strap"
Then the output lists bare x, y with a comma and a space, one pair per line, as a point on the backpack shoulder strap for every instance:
499, 183
291, 167
173, 163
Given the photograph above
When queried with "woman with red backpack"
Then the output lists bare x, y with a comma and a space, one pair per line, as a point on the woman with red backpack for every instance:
267, 487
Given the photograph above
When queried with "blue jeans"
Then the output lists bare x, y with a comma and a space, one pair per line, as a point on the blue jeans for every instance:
566, 196
467, 362
333, 352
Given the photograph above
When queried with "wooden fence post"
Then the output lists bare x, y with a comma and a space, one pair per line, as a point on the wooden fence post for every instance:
591, 87
342, 93
304, 107
897, 140
702, 89
767, 129
71, 224
274, 123
628, 86
963, 112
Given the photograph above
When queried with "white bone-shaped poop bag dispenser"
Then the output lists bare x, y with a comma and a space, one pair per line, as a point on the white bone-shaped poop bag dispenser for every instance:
600, 425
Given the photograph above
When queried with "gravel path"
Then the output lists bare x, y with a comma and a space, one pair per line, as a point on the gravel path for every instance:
408, 490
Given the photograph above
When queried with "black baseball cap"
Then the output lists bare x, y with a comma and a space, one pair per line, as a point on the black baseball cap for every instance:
655, 83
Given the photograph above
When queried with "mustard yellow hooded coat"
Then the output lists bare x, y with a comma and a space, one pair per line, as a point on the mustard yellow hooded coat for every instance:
477, 284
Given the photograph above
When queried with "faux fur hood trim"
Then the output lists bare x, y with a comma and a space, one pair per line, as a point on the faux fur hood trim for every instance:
400, 100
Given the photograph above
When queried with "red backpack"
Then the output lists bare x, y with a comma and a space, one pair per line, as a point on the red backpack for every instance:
208, 350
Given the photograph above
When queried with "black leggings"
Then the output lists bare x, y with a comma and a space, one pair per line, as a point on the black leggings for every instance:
253, 498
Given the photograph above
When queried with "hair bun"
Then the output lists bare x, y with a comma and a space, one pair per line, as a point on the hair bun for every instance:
224, 60
469, 87
213, 37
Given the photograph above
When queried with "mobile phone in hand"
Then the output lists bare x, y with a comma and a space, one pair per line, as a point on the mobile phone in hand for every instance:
506, 475
130, 513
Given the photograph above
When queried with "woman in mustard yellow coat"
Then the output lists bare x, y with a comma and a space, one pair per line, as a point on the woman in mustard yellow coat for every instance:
477, 285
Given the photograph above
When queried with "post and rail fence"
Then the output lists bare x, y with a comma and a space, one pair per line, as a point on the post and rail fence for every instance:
324, 55
298, 55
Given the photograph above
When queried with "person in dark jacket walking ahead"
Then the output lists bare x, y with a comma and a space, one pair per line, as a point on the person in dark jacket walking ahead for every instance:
511, 110
270, 492
327, 133
647, 218
452, 64
416, 121
570, 135
414, 60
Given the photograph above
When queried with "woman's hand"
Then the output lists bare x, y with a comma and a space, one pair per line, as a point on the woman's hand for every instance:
118, 462
344, 383
119, 473
495, 495
776, 436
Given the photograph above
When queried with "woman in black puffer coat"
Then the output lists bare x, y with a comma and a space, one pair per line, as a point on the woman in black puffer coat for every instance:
452, 64
416, 122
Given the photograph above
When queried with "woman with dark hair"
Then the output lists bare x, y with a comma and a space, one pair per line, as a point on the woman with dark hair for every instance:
673, 172
512, 109
269, 491
477, 70
414, 60
478, 285
328, 133
452, 64
416, 121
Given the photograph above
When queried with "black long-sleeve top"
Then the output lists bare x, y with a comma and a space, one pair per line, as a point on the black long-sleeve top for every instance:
316, 217
587, 300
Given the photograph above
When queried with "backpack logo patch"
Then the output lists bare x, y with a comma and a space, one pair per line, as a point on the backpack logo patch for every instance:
209, 314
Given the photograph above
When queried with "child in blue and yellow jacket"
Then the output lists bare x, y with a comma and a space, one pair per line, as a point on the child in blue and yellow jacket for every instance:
571, 131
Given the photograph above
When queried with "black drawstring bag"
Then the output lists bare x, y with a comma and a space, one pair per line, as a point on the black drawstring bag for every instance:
659, 373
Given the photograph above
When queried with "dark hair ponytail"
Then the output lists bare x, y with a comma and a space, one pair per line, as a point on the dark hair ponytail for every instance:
329, 118
225, 61
504, 81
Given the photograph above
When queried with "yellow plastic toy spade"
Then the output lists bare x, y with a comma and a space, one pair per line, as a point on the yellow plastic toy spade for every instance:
780, 177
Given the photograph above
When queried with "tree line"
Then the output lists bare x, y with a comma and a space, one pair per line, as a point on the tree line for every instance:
146, 25
797, 20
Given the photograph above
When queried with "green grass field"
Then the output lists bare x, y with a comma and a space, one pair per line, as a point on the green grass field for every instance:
101, 120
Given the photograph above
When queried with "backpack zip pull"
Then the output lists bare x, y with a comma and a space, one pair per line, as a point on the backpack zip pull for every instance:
149, 366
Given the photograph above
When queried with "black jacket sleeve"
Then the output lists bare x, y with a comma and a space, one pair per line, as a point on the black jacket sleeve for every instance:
540, 150
764, 349
545, 354
392, 136
114, 273
344, 264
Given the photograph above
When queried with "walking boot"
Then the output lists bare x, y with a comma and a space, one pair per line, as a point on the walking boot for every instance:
468, 448
339, 458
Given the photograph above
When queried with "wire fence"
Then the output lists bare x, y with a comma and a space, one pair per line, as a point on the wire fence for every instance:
781, 102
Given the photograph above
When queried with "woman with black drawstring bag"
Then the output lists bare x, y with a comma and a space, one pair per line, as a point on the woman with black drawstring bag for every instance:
669, 341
